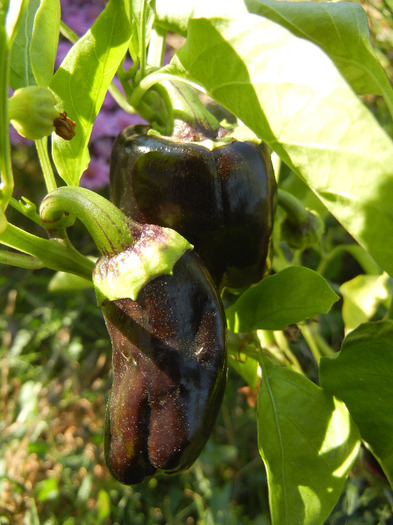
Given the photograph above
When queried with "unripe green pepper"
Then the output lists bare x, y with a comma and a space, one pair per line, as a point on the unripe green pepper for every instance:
169, 372
221, 198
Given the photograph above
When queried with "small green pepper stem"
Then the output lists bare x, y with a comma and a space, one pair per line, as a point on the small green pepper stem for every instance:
181, 100
156, 49
131, 253
293, 207
111, 230
302, 228
42, 150
188, 108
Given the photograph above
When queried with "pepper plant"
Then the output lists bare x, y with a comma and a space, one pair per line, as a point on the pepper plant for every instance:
290, 74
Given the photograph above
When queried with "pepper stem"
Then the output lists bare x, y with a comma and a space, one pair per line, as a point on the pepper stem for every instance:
302, 227
293, 207
181, 101
131, 254
110, 229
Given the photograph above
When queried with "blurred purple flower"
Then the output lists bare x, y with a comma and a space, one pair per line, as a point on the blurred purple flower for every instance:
108, 124
15, 138
62, 49
96, 176
80, 15
111, 122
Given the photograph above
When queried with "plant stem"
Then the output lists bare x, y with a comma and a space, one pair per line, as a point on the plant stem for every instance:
120, 99
21, 260
313, 346
148, 82
42, 149
323, 345
110, 229
365, 260
292, 206
68, 33
287, 352
181, 101
53, 253
26, 210
6, 175
156, 50
142, 39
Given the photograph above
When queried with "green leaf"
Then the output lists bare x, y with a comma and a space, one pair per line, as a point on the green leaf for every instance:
21, 74
242, 357
308, 443
176, 14
82, 81
246, 367
288, 91
341, 30
35, 45
45, 37
142, 23
361, 375
10, 15
290, 296
361, 297
47, 490
63, 282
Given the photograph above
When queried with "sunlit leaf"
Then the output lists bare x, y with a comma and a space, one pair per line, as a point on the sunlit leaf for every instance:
361, 297
362, 376
341, 30
308, 443
44, 41
21, 74
290, 296
288, 91
82, 81
63, 282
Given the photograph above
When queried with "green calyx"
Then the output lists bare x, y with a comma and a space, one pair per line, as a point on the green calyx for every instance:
226, 134
123, 275
131, 254
32, 111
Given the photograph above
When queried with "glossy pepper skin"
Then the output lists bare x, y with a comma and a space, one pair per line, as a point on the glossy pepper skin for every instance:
169, 372
221, 200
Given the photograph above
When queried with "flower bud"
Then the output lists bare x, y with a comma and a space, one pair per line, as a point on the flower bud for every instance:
32, 111
302, 234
